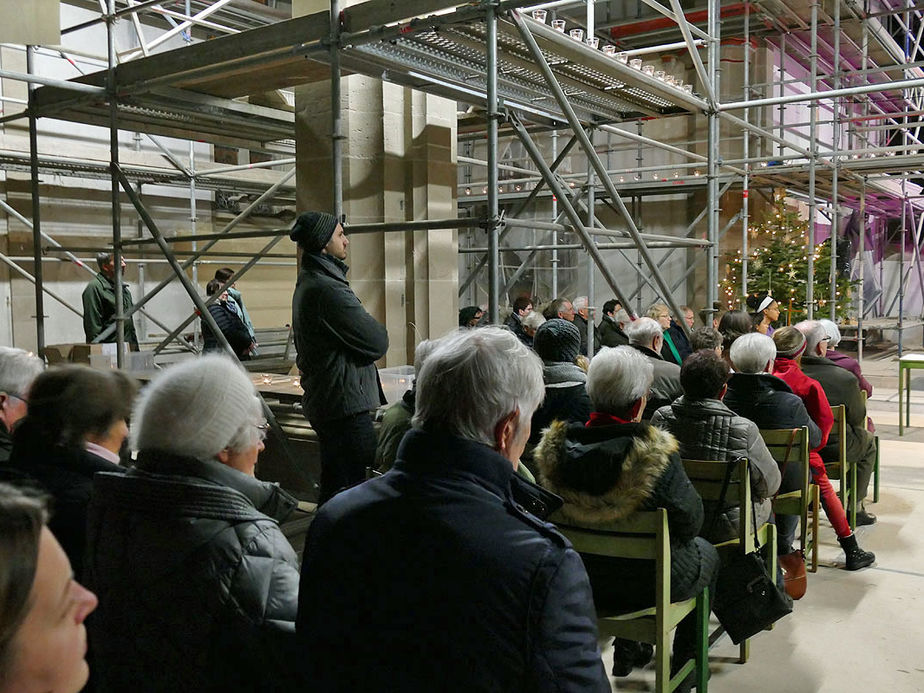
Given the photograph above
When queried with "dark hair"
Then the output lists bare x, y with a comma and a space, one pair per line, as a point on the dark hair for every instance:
224, 274
468, 313
103, 258
703, 374
734, 324
520, 303
66, 403
22, 516
753, 302
705, 338
555, 305
610, 306
212, 287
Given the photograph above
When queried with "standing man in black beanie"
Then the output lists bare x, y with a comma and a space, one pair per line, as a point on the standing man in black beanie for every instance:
338, 343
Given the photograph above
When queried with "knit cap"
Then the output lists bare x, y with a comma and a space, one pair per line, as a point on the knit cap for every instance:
557, 340
789, 341
313, 230
195, 408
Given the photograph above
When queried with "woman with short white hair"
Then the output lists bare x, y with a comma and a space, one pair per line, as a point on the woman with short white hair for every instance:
843, 360
610, 468
198, 585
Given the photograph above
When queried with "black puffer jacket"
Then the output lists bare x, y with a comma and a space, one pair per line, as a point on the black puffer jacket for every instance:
435, 577
565, 398
605, 474
706, 429
66, 474
770, 403
610, 333
231, 326
198, 586
337, 341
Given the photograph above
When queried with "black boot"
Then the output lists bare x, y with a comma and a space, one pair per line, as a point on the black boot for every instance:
856, 557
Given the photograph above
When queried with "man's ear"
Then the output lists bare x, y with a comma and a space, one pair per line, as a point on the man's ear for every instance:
637, 408
504, 432
723, 391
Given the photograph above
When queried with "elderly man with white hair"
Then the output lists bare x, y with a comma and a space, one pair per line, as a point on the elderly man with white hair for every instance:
433, 575
18, 368
646, 336
841, 387
614, 466
198, 585
583, 320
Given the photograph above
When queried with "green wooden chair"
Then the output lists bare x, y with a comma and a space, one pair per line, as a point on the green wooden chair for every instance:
646, 536
844, 470
793, 443
708, 478
876, 466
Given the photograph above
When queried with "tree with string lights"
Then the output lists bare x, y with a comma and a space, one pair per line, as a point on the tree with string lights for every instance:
778, 264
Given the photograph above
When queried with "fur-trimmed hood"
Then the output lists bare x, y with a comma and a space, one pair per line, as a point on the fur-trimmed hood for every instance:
603, 473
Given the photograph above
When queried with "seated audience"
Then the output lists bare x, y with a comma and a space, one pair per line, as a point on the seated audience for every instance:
396, 418
756, 394
235, 298
646, 336
706, 429
790, 345
42, 608
198, 585
841, 387
841, 359
673, 348
75, 428
530, 324
733, 324
522, 306
764, 312
678, 336
18, 369
613, 467
229, 321
456, 585
583, 321
470, 316
612, 325
706, 338
558, 345
559, 308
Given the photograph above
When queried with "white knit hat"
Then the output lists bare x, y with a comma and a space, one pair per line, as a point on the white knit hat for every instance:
195, 408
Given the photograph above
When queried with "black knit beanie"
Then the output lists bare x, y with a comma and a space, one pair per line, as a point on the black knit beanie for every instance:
313, 230
557, 340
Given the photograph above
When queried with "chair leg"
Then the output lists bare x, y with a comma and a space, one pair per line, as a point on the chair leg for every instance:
876, 474
853, 496
744, 651
816, 497
702, 641
662, 663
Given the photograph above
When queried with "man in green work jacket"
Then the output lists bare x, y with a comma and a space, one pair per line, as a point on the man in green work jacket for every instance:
99, 304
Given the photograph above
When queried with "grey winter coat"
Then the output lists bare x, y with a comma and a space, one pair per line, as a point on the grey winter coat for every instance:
337, 342
607, 473
665, 387
708, 430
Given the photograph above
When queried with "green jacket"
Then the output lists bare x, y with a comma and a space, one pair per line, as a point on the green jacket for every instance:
99, 310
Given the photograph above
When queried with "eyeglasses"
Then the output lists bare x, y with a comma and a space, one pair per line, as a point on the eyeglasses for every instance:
22, 399
264, 429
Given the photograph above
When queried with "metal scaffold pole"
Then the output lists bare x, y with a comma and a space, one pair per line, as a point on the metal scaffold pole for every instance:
836, 136
493, 216
713, 144
336, 135
116, 202
813, 145
746, 153
36, 212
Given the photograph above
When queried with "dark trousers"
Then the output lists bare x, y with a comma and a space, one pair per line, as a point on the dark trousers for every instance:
347, 448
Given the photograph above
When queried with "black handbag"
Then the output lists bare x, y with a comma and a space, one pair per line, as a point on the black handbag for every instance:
747, 599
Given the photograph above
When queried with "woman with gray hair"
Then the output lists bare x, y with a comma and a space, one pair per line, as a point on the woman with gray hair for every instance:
843, 360
613, 467
198, 585
18, 368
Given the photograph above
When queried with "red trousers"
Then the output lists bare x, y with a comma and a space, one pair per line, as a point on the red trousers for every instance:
830, 501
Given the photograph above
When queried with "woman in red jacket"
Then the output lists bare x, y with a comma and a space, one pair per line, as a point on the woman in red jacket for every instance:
790, 343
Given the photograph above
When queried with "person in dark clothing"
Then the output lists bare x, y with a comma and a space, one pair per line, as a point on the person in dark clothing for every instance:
584, 322
470, 316
675, 346
198, 586
478, 593
614, 466
769, 401
338, 343
522, 306
558, 345
611, 327
18, 368
733, 325
99, 307
234, 297
232, 326
75, 428
841, 387
645, 336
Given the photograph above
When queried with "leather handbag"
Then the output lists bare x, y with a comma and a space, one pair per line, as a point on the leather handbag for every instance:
747, 599
794, 577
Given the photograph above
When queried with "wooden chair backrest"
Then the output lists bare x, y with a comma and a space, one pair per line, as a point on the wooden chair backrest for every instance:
708, 478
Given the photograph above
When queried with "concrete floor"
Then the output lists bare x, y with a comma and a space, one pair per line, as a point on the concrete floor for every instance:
852, 632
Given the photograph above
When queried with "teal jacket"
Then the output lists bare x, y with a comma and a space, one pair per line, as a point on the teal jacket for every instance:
99, 310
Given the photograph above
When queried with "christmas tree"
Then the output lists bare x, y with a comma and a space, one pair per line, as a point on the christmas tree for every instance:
778, 264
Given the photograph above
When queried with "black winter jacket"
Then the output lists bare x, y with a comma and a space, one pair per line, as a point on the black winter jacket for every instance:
681, 343
197, 584
607, 473
610, 333
6, 444
66, 474
231, 326
515, 325
433, 577
337, 342
841, 387
770, 403
665, 387
706, 429
565, 398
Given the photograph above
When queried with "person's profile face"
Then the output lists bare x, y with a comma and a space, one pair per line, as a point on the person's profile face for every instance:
689, 318
664, 319
526, 310
476, 319
567, 312
338, 244
772, 311
49, 650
